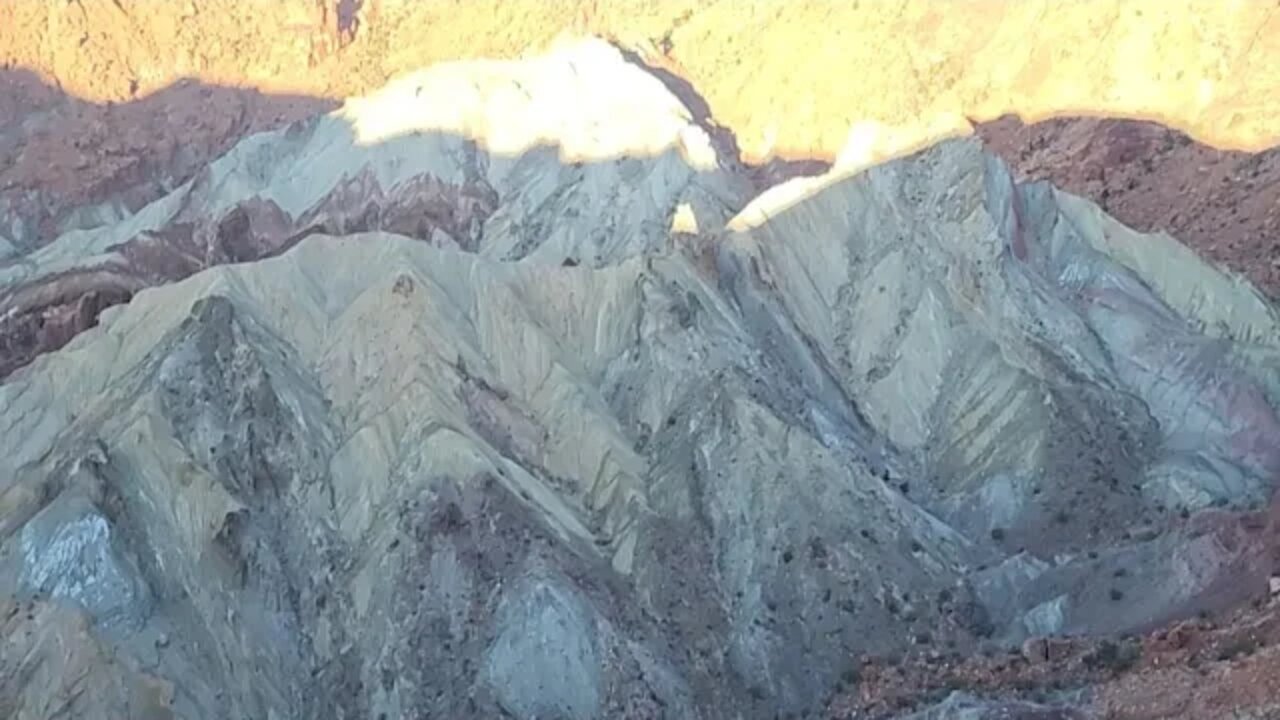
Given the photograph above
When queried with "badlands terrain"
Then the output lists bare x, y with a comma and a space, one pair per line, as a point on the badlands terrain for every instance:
639, 359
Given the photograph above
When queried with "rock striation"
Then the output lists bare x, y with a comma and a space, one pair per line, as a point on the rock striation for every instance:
416, 411
600, 161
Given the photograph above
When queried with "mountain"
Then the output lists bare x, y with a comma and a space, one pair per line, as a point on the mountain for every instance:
414, 410
572, 181
1224, 204
1163, 115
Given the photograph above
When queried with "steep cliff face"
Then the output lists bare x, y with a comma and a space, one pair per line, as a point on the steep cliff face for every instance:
414, 411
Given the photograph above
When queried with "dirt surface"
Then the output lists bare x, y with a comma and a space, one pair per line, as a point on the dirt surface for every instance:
1224, 204
46, 639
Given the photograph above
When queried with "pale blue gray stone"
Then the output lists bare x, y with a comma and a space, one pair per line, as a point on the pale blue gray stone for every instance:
70, 553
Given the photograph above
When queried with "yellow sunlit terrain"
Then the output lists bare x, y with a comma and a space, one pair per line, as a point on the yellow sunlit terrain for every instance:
790, 78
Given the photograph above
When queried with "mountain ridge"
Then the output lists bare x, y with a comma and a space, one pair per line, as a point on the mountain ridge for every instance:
564, 456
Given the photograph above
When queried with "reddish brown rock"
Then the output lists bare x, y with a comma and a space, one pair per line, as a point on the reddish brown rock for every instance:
45, 315
1224, 204
1221, 662
59, 154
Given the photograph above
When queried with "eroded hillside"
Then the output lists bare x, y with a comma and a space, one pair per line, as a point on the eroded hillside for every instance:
109, 104
408, 409
523, 387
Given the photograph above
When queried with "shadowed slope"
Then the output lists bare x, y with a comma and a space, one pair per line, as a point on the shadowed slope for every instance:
476, 417
579, 181
66, 163
709, 477
1225, 205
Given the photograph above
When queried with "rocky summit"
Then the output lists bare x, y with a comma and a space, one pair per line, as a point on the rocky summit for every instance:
510, 390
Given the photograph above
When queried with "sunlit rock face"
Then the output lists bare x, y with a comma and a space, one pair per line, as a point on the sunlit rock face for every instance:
456, 426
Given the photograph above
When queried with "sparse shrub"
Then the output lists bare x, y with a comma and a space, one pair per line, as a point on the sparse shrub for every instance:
1117, 594
1116, 657
974, 617
817, 549
997, 534
1245, 646
850, 677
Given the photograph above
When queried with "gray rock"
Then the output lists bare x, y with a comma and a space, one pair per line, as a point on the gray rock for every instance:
544, 662
691, 479
70, 553
963, 706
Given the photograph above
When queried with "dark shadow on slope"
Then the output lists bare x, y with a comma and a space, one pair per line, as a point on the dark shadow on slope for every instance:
762, 176
348, 12
1224, 204
60, 154
1088, 503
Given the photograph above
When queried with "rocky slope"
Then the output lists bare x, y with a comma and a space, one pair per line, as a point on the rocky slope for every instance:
1224, 204
787, 77
1207, 667
574, 181
68, 164
160, 89
413, 410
